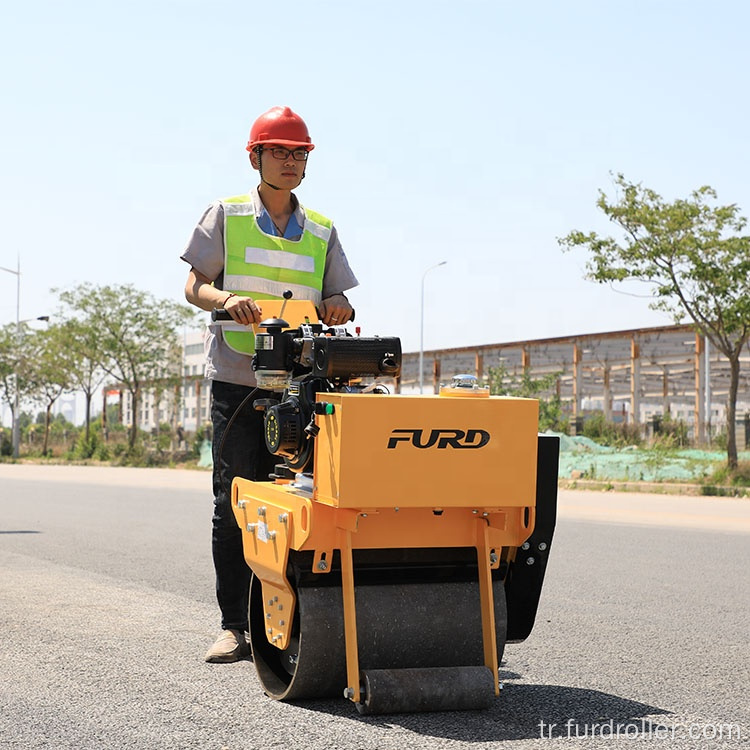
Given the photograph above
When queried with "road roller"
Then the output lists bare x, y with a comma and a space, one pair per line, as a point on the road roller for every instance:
402, 540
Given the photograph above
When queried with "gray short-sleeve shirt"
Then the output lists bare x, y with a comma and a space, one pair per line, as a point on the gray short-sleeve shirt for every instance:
205, 253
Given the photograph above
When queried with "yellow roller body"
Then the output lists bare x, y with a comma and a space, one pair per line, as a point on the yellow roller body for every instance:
396, 472
428, 452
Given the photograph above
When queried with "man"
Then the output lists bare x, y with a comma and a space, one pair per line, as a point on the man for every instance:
246, 249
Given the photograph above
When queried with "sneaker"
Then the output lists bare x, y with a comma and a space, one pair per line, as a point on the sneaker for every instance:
230, 646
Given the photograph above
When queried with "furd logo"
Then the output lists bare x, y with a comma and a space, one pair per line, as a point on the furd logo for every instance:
439, 439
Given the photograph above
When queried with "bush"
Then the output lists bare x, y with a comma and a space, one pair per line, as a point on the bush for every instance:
102, 452
135, 456
83, 448
596, 427
720, 440
551, 416
196, 444
711, 490
672, 433
723, 475
664, 441
616, 434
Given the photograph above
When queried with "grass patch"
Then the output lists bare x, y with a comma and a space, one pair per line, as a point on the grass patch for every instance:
723, 476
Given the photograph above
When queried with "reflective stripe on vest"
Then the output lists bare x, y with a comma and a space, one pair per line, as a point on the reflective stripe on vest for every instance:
262, 266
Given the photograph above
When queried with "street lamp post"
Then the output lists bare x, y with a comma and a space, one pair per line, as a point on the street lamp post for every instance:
16, 429
421, 327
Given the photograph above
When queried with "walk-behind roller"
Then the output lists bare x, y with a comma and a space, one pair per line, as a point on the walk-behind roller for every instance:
403, 540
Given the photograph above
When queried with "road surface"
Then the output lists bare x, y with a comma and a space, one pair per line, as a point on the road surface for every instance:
107, 606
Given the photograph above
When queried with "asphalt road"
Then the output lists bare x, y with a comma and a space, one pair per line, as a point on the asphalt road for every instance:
107, 606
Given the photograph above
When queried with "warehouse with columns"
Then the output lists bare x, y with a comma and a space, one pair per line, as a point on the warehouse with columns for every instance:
631, 375
635, 376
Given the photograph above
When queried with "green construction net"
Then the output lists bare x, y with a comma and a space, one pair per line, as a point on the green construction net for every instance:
582, 458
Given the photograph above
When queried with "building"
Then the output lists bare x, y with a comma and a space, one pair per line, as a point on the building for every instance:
186, 407
632, 375
195, 396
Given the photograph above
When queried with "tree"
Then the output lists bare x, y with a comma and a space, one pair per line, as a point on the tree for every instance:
692, 255
136, 335
502, 383
8, 364
14, 367
84, 358
48, 369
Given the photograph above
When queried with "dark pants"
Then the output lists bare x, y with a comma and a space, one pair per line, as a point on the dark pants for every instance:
243, 454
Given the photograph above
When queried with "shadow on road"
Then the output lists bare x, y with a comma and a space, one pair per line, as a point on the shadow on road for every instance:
20, 531
516, 715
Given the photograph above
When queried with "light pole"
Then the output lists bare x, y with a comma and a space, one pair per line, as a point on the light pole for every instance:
16, 400
421, 327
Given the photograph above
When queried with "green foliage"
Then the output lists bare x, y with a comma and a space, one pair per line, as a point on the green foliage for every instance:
48, 369
8, 351
682, 249
102, 452
691, 255
134, 336
114, 426
60, 429
659, 454
162, 439
25, 420
102, 331
711, 490
196, 444
84, 358
6, 444
138, 455
551, 416
720, 440
15, 364
7, 360
92, 446
617, 434
739, 477
672, 433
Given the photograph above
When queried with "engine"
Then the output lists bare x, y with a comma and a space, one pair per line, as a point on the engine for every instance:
302, 362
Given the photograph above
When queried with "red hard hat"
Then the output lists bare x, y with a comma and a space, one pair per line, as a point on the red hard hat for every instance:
280, 125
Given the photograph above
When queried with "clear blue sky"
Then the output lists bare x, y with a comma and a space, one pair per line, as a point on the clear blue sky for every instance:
475, 132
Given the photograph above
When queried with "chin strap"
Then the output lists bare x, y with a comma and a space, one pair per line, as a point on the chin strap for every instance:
259, 151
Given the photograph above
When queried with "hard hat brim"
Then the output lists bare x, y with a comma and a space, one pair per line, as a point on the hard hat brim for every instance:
279, 142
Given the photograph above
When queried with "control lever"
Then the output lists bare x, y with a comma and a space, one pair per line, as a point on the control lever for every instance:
287, 296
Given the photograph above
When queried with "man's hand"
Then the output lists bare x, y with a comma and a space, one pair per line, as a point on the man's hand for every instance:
200, 291
244, 310
335, 310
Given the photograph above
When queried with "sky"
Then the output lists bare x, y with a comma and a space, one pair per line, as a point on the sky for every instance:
474, 132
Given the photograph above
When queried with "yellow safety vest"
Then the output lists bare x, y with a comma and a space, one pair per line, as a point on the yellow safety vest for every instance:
263, 266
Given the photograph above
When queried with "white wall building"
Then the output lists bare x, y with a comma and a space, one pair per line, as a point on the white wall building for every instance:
188, 406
